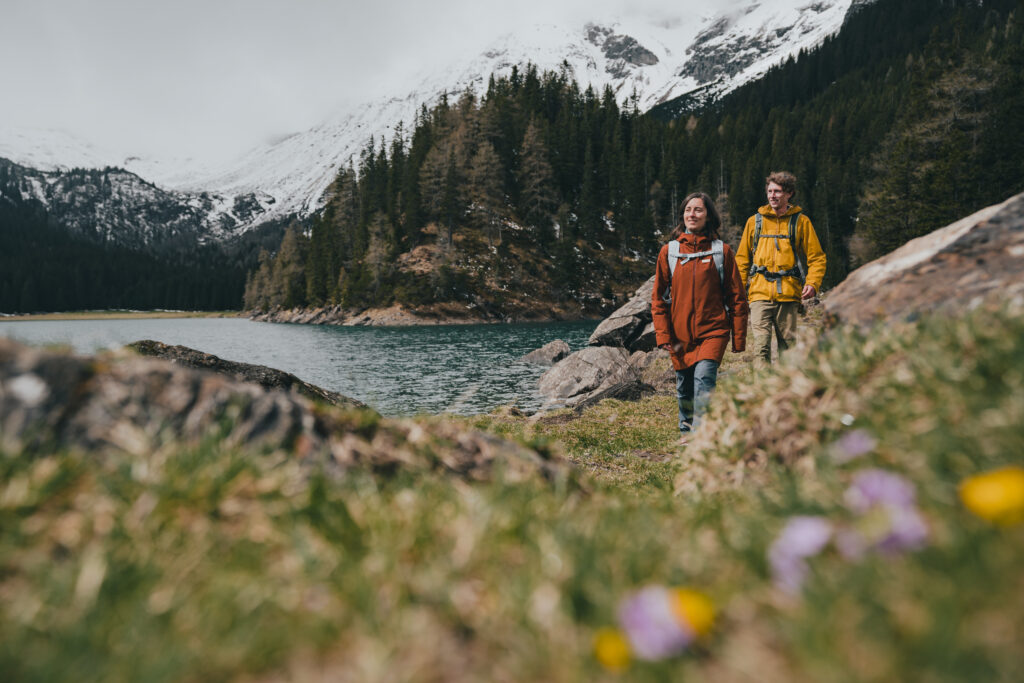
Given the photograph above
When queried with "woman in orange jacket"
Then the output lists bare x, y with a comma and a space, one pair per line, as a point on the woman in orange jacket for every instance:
698, 302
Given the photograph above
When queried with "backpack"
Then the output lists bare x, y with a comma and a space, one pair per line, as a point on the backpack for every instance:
675, 255
799, 271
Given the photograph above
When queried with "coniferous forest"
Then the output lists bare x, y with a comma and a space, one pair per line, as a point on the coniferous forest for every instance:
908, 119
540, 197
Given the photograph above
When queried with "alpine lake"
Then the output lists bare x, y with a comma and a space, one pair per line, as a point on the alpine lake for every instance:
399, 371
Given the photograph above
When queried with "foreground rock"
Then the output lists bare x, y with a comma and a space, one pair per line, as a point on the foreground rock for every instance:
153, 408
268, 378
591, 375
549, 354
977, 259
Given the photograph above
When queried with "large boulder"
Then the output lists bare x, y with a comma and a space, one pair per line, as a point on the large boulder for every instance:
976, 259
590, 375
627, 324
269, 378
549, 354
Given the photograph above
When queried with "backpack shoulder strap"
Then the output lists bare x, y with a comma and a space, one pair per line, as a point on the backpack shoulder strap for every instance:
673, 257
794, 245
718, 254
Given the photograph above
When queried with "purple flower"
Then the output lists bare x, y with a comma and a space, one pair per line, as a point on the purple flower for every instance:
852, 445
801, 538
878, 487
652, 627
888, 520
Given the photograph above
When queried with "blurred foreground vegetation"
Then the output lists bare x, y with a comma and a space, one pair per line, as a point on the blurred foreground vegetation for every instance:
209, 564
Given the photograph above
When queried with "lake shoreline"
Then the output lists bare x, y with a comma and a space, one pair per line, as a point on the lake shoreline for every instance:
400, 316
120, 315
392, 316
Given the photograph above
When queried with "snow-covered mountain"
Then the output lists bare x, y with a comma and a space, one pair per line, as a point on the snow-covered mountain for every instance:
651, 59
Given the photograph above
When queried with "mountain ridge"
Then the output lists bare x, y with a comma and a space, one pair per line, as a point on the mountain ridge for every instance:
637, 57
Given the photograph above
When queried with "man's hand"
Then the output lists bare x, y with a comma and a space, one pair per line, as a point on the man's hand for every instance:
809, 292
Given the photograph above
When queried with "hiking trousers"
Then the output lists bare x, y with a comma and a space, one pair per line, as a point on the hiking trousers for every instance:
693, 392
773, 317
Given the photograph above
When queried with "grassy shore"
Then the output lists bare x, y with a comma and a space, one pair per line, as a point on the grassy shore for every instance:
120, 315
209, 564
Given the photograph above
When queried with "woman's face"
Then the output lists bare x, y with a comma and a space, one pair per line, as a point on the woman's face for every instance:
695, 215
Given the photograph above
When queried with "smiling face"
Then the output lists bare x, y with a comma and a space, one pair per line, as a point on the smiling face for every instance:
695, 215
778, 198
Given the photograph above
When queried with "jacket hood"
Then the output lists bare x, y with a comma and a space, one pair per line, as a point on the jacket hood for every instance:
766, 210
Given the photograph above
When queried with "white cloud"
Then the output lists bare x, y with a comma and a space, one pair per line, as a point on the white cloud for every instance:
211, 78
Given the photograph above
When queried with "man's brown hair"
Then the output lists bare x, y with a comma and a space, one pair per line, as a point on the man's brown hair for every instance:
785, 180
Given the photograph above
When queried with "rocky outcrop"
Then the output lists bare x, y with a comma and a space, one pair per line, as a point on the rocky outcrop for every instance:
626, 326
268, 378
549, 354
591, 375
975, 260
153, 409
622, 360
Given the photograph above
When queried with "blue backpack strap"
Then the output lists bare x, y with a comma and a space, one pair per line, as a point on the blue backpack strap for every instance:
718, 253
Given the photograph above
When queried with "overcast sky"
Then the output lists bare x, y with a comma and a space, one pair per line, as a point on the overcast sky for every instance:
211, 78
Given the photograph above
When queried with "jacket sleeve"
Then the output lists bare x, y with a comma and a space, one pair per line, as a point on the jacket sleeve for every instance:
814, 254
661, 310
743, 251
736, 301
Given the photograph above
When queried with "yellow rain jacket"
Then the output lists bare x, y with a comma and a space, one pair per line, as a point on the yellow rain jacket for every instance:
775, 254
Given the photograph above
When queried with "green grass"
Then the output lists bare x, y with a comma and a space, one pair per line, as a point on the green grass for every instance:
210, 564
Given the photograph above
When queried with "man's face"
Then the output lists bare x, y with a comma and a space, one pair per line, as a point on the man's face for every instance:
778, 198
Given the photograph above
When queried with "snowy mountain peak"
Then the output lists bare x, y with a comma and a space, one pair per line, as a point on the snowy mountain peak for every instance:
651, 59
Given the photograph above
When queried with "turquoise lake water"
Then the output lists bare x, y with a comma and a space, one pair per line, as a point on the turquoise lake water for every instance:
462, 369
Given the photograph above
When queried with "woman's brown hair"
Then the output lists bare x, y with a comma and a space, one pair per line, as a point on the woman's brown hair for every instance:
713, 223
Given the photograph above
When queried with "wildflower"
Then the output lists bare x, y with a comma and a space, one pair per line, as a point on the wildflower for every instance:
889, 520
996, 496
852, 445
887, 529
695, 609
878, 487
802, 537
612, 649
660, 622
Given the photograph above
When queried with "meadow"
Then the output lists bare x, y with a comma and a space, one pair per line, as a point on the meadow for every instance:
826, 523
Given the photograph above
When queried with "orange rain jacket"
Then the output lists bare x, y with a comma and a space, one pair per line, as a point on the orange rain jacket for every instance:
704, 310
776, 255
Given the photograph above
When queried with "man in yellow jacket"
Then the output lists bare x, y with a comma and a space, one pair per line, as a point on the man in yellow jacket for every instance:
781, 262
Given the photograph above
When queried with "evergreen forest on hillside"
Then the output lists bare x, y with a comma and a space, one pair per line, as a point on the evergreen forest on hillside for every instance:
44, 268
540, 192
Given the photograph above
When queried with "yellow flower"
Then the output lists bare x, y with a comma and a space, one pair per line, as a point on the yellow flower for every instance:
694, 610
997, 496
611, 649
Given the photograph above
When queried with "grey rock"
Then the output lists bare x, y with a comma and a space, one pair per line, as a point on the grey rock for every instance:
627, 322
655, 370
647, 340
150, 409
549, 354
269, 378
976, 260
590, 375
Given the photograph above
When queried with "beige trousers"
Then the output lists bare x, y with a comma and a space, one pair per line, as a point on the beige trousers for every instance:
768, 317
